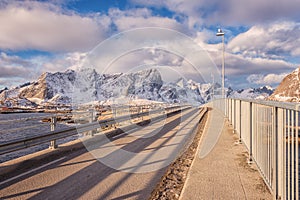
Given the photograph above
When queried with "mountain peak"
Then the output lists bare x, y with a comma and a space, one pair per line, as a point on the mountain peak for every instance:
288, 89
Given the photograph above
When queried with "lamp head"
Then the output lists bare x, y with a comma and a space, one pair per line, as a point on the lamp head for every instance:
220, 32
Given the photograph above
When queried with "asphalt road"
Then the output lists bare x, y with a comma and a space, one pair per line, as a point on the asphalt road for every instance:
126, 166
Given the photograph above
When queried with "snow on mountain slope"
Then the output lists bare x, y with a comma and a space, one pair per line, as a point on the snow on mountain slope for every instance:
56, 87
95, 87
10, 97
289, 89
144, 84
182, 91
252, 93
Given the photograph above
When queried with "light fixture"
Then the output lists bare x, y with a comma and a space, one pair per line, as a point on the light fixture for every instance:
221, 33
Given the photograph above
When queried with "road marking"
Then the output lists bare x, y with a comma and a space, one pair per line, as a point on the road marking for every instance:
33, 170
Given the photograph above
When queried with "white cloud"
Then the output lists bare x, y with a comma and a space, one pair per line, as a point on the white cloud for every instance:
13, 71
61, 62
189, 8
267, 79
16, 70
44, 26
10, 82
12, 59
142, 17
13, 66
271, 41
237, 64
230, 12
152, 46
48, 27
235, 12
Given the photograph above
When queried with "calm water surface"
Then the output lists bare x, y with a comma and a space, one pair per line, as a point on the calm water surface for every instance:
14, 129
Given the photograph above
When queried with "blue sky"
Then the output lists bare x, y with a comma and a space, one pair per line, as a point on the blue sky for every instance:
262, 37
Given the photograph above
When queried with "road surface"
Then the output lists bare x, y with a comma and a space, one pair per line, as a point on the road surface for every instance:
127, 166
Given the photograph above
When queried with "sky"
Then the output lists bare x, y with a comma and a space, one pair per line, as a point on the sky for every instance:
262, 43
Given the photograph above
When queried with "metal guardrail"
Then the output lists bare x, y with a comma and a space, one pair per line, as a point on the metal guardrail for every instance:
270, 132
54, 135
114, 109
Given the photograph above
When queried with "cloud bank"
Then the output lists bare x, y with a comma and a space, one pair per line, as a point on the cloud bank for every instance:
271, 46
44, 26
268, 79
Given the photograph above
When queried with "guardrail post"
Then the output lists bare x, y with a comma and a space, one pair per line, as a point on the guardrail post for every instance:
142, 110
91, 120
53, 122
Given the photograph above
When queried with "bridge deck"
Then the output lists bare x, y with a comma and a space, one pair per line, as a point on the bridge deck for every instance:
223, 172
77, 174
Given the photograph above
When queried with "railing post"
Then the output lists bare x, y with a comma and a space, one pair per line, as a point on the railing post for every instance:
251, 134
231, 110
279, 139
53, 122
234, 116
297, 151
224, 105
240, 138
227, 104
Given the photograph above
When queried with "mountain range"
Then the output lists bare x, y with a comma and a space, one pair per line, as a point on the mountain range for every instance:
87, 85
65, 87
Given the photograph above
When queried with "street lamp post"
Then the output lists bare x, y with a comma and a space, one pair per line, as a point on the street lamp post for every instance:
221, 33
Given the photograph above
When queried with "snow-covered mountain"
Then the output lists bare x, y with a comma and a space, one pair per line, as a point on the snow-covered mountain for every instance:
252, 93
88, 85
144, 84
289, 88
182, 91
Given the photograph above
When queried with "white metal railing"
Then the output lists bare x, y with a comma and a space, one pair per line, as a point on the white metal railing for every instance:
270, 132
